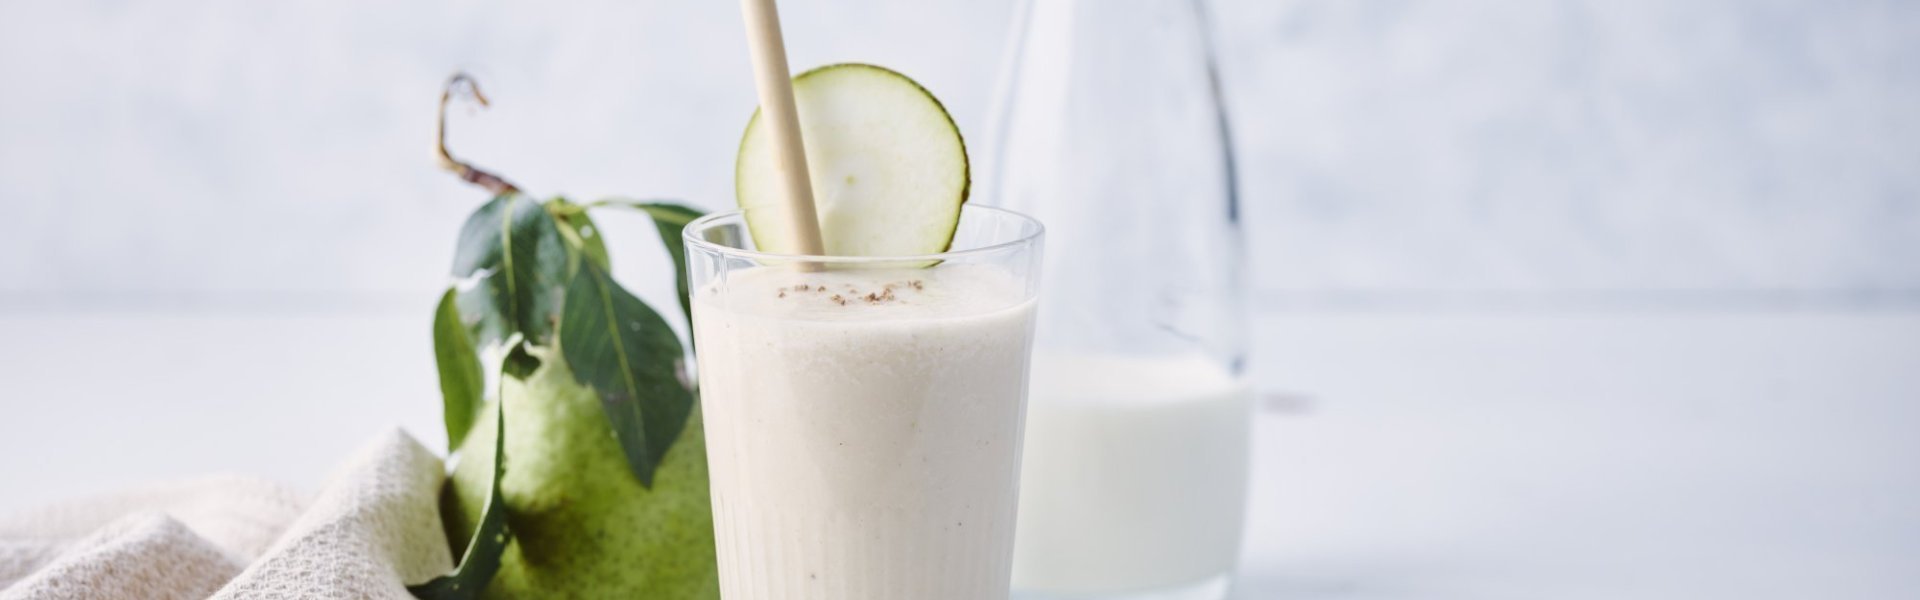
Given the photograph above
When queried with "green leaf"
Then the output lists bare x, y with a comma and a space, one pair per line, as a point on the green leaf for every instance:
580, 232
670, 220
512, 263
482, 558
620, 347
520, 363
462, 385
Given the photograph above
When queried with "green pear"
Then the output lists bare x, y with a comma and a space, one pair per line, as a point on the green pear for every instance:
582, 526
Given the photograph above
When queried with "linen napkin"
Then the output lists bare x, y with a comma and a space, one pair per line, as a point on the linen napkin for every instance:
372, 529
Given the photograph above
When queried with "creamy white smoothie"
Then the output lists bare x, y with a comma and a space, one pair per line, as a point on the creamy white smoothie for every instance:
864, 429
1135, 473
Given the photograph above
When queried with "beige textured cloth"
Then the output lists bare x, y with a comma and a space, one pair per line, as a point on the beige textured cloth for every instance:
373, 528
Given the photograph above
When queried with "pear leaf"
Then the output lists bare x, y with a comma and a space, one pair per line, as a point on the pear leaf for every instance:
520, 363
462, 385
580, 232
482, 558
622, 349
670, 219
511, 264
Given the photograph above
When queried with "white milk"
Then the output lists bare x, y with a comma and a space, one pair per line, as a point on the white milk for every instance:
864, 447
1135, 474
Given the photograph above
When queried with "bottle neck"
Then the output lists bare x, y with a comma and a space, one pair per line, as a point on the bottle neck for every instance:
1109, 129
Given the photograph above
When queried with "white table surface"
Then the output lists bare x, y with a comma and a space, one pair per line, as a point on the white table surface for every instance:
1678, 455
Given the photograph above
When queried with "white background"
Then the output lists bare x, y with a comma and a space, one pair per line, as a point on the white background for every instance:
220, 151
1554, 298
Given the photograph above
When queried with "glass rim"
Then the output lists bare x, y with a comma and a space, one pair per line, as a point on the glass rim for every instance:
1037, 231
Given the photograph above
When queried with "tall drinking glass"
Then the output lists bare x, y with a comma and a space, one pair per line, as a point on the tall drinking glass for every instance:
864, 415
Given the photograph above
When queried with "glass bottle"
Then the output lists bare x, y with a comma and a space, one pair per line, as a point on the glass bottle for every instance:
1109, 129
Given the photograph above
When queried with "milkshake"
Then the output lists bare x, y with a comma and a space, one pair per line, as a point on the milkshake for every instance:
863, 421
1135, 474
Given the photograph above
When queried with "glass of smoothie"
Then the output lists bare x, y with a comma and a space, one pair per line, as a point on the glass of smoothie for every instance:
864, 414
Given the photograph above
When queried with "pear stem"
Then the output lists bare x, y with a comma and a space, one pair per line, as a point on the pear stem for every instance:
463, 85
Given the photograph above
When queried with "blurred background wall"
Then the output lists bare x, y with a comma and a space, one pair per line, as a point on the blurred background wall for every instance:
1625, 292
231, 155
